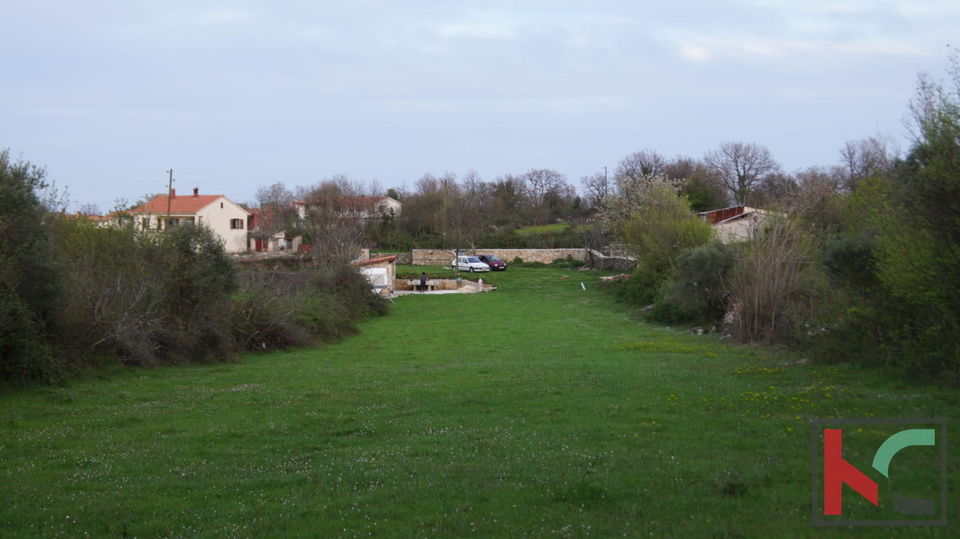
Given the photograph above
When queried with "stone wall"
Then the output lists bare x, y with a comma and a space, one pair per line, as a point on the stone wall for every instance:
443, 257
440, 284
616, 263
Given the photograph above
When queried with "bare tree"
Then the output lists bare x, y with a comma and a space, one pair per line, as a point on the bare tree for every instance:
275, 206
741, 167
335, 224
596, 189
865, 158
539, 186
645, 163
90, 209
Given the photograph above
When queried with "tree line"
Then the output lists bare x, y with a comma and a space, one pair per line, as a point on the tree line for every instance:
75, 295
451, 211
856, 262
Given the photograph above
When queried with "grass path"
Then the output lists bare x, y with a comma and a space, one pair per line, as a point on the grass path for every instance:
539, 410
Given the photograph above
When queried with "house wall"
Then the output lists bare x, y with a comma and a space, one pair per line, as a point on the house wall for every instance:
740, 229
217, 217
391, 269
387, 204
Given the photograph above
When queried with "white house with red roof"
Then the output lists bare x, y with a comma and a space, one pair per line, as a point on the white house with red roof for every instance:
218, 213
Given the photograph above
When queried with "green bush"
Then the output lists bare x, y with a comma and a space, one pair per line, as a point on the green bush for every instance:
30, 282
278, 310
569, 263
669, 309
702, 280
661, 230
638, 290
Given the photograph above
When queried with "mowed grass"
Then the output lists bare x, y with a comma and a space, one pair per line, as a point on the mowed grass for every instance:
538, 410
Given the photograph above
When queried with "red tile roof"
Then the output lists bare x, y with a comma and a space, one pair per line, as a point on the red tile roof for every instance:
370, 261
181, 204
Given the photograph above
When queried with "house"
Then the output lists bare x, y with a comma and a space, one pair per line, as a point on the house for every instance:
262, 237
381, 272
101, 221
363, 208
225, 218
736, 223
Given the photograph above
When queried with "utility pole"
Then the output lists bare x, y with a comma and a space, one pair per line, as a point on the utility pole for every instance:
169, 197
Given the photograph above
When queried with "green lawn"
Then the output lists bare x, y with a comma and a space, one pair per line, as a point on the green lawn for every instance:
539, 410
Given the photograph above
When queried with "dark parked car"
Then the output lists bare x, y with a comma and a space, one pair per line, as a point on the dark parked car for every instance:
495, 263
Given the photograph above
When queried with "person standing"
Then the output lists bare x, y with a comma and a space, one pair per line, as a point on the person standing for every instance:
423, 282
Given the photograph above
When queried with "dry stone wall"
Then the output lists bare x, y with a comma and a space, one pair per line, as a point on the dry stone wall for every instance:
443, 257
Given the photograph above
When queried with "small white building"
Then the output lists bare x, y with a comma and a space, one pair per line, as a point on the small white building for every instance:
218, 213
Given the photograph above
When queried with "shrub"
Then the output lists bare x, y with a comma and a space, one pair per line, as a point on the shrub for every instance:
661, 230
775, 283
568, 263
637, 290
30, 284
702, 279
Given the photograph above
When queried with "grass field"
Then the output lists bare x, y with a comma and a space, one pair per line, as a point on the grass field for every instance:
538, 410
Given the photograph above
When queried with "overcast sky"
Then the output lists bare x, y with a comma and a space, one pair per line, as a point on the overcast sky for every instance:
108, 95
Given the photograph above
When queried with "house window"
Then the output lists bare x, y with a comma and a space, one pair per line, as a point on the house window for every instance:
236, 224
146, 223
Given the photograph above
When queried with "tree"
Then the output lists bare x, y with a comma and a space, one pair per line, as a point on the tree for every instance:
864, 158
542, 189
910, 222
701, 187
644, 163
336, 224
741, 167
631, 195
507, 199
660, 228
276, 211
596, 189
29, 281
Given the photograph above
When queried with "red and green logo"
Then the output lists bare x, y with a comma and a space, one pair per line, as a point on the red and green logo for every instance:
911, 454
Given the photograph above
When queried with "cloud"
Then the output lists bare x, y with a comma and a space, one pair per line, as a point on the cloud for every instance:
773, 49
697, 53
478, 31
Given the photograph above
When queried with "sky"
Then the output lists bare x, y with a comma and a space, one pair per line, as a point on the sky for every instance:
108, 95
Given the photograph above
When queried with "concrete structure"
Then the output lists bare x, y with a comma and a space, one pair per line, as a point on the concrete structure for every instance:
225, 218
736, 223
381, 272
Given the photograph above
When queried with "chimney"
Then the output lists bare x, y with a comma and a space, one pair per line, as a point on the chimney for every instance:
196, 192
173, 192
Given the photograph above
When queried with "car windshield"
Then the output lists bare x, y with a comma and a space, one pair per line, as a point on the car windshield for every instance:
492, 258
473, 259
